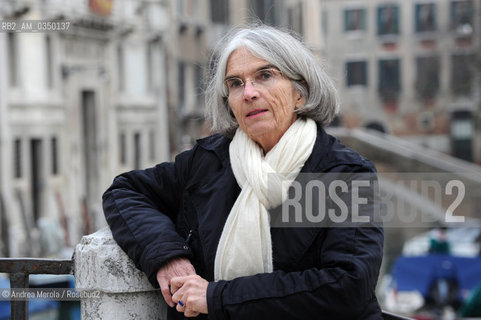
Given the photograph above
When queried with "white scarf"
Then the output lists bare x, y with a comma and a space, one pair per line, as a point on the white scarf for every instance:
245, 244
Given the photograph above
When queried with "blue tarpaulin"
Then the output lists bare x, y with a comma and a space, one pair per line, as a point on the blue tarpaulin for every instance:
420, 272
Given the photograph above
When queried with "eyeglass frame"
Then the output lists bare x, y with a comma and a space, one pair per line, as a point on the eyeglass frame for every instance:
243, 82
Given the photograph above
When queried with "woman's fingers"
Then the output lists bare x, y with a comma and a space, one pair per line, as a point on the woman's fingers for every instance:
175, 285
164, 288
188, 312
191, 293
173, 268
191, 314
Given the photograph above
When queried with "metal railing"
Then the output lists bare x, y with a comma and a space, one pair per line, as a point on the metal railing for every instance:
19, 270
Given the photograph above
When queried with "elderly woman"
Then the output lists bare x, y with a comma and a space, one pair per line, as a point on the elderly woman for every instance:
200, 227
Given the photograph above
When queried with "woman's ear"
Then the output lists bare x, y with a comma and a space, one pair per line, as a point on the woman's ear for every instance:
299, 101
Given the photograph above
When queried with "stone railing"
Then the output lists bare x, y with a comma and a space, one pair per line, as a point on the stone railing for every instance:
115, 288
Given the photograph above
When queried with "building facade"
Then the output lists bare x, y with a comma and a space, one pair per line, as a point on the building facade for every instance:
409, 68
78, 106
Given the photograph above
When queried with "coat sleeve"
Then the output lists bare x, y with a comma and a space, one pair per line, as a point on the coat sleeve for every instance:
343, 287
140, 207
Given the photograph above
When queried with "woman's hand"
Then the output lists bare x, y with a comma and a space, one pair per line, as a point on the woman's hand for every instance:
192, 291
176, 267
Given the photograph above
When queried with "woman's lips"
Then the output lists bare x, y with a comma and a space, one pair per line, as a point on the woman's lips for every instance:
256, 112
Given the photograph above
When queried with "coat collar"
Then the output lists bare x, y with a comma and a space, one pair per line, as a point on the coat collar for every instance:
327, 151
218, 144
319, 151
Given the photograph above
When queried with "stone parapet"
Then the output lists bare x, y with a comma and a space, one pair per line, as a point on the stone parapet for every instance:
114, 287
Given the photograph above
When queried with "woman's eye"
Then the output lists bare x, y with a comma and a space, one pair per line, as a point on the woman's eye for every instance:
265, 75
234, 83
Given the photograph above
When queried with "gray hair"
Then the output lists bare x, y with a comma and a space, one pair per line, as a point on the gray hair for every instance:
285, 52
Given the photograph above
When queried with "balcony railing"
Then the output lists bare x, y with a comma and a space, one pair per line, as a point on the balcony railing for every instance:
20, 269
114, 288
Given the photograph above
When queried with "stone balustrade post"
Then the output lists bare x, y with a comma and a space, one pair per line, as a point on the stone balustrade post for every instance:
114, 288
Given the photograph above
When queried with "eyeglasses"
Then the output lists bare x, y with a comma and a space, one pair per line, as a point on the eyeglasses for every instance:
263, 78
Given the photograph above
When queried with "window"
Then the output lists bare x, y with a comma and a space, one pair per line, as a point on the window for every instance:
150, 71
462, 17
462, 66
389, 79
120, 67
388, 20
137, 150
219, 11
49, 64
54, 148
198, 84
181, 84
123, 149
37, 180
17, 154
462, 130
12, 56
427, 78
425, 17
152, 145
355, 19
356, 73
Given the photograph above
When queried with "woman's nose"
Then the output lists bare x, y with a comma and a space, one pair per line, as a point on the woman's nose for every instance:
250, 91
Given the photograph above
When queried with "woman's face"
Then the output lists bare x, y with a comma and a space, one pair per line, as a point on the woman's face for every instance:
264, 111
